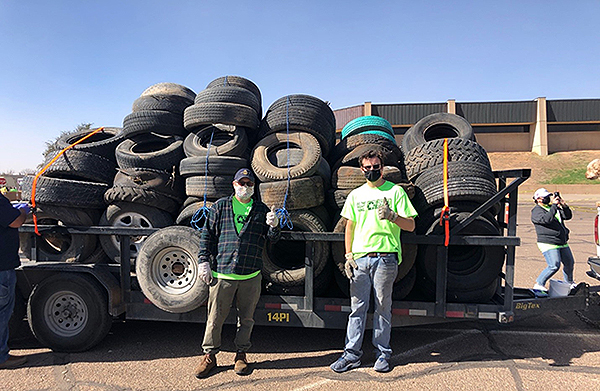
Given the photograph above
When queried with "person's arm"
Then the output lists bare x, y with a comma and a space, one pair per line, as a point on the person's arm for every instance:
405, 223
208, 236
540, 216
349, 235
19, 220
565, 211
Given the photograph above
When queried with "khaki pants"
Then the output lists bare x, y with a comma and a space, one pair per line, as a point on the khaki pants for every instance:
220, 298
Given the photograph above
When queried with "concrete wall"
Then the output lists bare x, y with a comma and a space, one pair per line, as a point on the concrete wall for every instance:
505, 142
573, 141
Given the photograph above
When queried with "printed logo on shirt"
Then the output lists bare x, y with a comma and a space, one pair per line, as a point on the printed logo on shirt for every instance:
241, 219
363, 206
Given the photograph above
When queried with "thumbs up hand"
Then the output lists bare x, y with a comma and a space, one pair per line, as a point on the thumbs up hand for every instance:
385, 213
272, 220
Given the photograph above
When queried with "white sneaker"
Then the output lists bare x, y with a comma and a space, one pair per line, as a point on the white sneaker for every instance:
540, 287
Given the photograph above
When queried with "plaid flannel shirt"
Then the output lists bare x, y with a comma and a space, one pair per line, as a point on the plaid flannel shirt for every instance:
229, 252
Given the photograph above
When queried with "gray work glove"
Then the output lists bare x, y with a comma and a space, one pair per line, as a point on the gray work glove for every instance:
350, 265
385, 213
204, 272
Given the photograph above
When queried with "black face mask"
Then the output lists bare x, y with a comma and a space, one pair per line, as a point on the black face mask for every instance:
546, 200
373, 175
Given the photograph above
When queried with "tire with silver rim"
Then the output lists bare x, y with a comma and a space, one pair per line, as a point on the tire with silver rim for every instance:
167, 269
130, 215
69, 312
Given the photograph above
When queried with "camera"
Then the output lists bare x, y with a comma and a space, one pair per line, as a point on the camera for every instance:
556, 194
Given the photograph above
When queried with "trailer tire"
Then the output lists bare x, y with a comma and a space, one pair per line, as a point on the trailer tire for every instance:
437, 126
391, 155
69, 312
172, 89
102, 143
129, 215
150, 150
346, 145
187, 213
167, 270
229, 94
65, 192
208, 113
347, 177
214, 187
171, 103
211, 165
237, 81
156, 121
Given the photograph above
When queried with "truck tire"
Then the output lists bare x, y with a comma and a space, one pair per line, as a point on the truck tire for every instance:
172, 89
214, 187
295, 156
303, 193
467, 181
187, 213
65, 192
264, 158
157, 121
129, 215
150, 151
224, 143
80, 165
165, 182
437, 126
102, 143
283, 262
229, 94
390, 156
237, 81
213, 165
68, 312
431, 154
167, 270
59, 246
171, 103
208, 113
469, 267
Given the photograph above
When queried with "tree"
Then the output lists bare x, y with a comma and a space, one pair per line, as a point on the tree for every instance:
52, 146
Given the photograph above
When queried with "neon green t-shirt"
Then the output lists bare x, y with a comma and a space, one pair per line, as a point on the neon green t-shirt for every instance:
370, 233
240, 214
547, 246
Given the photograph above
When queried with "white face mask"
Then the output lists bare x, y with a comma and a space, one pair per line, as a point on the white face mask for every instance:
243, 192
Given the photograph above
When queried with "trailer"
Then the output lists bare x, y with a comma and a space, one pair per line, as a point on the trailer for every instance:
71, 305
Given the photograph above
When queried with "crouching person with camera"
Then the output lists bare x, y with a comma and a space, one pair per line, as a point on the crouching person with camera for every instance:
548, 216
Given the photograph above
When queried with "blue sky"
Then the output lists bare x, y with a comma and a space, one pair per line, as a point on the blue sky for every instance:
63, 63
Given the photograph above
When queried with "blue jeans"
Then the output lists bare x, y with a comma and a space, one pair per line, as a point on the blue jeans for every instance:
554, 258
8, 280
378, 273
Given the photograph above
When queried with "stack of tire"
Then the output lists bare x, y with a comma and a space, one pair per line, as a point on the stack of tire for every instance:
220, 122
472, 270
357, 137
70, 192
296, 134
147, 190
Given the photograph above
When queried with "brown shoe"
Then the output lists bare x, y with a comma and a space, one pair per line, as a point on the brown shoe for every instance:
13, 362
241, 364
209, 361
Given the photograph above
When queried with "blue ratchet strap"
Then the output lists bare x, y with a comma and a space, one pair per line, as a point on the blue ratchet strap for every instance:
282, 214
202, 213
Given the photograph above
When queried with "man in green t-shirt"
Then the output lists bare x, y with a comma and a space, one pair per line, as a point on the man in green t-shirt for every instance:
376, 211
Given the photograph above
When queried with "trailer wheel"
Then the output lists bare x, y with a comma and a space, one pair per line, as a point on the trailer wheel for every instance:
68, 312
167, 270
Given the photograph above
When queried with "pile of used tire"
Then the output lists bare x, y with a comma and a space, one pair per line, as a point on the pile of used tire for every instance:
472, 270
295, 136
71, 193
357, 137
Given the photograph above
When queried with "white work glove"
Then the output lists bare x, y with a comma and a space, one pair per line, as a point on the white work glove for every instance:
272, 220
205, 273
385, 213
350, 265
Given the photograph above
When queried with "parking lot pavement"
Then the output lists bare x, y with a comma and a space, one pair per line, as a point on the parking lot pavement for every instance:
550, 352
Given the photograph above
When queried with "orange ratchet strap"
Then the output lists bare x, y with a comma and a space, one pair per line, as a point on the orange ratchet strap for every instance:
445, 216
46, 167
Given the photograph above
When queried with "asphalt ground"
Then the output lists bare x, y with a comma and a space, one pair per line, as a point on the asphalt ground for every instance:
554, 351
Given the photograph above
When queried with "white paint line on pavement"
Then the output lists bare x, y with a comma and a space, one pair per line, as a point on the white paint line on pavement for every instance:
545, 333
309, 386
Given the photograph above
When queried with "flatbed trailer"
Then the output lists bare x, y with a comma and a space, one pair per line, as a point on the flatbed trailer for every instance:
124, 300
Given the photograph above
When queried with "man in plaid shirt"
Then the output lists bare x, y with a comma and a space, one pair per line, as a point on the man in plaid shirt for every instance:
230, 259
